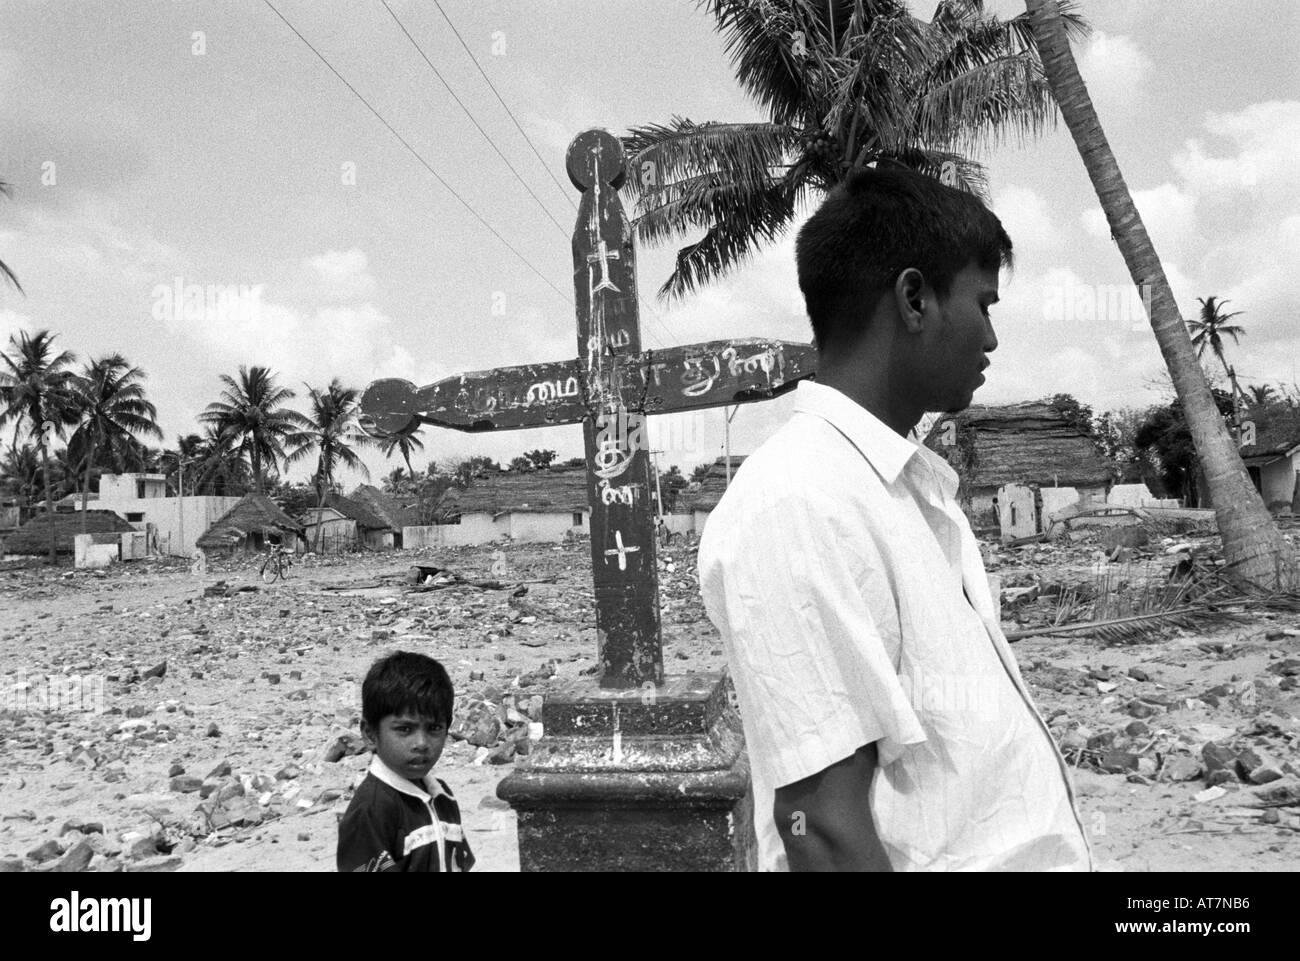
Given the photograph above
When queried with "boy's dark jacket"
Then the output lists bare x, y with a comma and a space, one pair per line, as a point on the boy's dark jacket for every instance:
391, 825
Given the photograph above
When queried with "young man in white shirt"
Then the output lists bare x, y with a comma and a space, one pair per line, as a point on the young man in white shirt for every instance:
886, 721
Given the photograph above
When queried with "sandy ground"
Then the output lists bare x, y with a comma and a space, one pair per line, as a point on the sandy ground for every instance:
266, 681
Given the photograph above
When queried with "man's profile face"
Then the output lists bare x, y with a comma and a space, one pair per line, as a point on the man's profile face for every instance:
957, 338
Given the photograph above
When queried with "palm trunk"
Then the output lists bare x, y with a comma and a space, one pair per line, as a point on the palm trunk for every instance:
257, 467
49, 502
419, 495
320, 511
1253, 547
85, 491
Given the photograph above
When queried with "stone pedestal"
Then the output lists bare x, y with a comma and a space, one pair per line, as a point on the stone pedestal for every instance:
654, 779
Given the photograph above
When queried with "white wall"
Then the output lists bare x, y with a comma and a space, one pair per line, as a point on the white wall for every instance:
699, 519
1278, 478
90, 551
680, 523
170, 514
447, 535
1137, 495
1054, 498
1017, 514
482, 529
114, 488
531, 528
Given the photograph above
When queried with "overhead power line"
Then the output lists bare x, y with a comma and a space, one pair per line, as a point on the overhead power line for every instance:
477, 125
416, 154
567, 194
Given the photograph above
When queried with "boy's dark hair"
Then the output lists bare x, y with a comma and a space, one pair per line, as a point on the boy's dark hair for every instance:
875, 225
405, 682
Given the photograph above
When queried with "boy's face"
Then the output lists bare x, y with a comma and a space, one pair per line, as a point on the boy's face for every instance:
958, 334
408, 743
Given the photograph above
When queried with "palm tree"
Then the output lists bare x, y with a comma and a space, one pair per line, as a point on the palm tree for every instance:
1208, 330
36, 392
65, 470
845, 83
1261, 395
333, 431
404, 442
8, 274
20, 471
250, 418
189, 451
224, 468
394, 481
113, 409
1252, 545
1211, 327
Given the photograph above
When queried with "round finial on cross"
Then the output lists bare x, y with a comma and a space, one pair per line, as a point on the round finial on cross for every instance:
596, 156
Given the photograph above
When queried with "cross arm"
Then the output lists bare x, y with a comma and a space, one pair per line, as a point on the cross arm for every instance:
693, 377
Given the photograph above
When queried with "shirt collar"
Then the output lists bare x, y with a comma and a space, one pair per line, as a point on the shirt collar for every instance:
405, 785
883, 448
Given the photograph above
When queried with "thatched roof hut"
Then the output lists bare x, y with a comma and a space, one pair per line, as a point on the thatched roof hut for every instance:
248, 524
714, 484
1277, 434
365, 518
558, 490
34, 536
1027, 443
386, 507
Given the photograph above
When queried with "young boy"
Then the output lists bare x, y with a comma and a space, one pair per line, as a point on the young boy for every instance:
402, 818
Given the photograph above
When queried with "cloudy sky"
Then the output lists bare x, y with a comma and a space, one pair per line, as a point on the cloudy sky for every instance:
156, 142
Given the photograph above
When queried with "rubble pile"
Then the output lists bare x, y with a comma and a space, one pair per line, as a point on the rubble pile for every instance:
154, 719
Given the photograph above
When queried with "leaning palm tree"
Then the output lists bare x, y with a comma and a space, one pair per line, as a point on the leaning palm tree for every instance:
845, 84
5, 272
250, 417
1253, 547
112, 409
36, 392
333, 432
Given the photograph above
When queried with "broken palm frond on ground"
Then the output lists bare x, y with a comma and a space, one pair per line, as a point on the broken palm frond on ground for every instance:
423, 578
1194, 595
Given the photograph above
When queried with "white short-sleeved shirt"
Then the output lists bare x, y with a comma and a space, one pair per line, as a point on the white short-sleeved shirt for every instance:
854, 609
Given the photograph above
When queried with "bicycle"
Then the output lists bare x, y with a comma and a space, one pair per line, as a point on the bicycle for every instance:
277, 564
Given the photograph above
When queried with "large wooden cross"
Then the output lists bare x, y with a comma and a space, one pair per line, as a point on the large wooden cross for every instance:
608, 388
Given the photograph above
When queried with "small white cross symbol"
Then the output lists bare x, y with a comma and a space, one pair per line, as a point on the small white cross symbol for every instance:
603, 255
621, 551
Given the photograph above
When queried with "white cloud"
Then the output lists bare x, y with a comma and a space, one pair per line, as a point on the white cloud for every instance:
1114, 68
341, 275
356, 344
1168, 212
1265, 136
12, 323
1025, 217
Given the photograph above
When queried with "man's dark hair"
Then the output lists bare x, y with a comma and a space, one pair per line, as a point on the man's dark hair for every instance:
404, 682
875, 225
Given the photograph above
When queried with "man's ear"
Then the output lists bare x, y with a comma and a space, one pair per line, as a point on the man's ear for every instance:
910, 291
370, 734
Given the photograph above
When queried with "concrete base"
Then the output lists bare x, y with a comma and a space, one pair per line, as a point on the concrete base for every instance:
91, 551
642, 780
